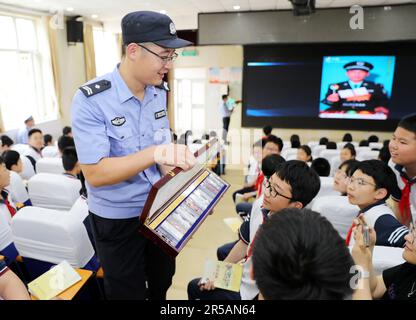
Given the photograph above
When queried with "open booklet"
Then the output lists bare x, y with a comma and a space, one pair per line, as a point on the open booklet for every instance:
225, 275
53, 282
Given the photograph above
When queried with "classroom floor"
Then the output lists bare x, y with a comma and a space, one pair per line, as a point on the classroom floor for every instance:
212, 233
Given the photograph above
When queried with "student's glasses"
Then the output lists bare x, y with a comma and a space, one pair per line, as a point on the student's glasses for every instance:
360, 182
273, 192
165, 59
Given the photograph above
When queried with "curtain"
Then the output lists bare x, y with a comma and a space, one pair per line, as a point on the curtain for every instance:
90, 71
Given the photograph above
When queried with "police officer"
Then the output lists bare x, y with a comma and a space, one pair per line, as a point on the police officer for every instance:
122, 137
357, 94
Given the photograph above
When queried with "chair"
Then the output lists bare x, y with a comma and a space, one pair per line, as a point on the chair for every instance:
50, 165
335, 162
367, 155
18, 190
338, 211
50, 152
385, 258
325, 190
375, 145
28, 170
20, 147
53, 191
312, 144
317, 150
286, 153
80, 209
46, 237
329, 154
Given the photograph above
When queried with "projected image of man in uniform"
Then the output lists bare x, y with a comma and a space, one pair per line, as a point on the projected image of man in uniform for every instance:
357, 94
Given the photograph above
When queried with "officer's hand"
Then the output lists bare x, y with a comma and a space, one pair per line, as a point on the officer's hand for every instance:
333, 97
177, 155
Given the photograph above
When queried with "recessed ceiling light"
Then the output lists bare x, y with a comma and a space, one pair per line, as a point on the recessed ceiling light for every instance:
162, 11
94, 16
70, 9
237, 7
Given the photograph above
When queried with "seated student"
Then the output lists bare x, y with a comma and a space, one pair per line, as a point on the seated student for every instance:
323, 141
12, 161
67, 131
269, 166
295, 141
348, 152
372, 138
384, 155
47, 140
298, 255
34, 153
347, 137
293, 185
321, 167
331, 145
370, 186
304, 154
17, 187
71, 163
396, 283
271, 145
6, 143
11, 287
7, 208
267, 130
403, 159
343, 174
64, 142
253, 170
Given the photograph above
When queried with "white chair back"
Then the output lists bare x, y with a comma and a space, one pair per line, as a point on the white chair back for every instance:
28, 170
368, 155
325, 190
53, 191
50, 165
376, 145
335, 163
50, 152
329, 154
289, 152
17, 189
80, 209
20, 147
317, 150
338, 211
50, 236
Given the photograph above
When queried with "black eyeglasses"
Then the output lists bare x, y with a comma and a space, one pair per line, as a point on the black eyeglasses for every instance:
273, 192
165, 59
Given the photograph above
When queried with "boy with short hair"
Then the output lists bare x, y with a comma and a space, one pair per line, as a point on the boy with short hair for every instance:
293, 185
35, 145
402, 148
298, 255
12, 161
370, 186
71, 163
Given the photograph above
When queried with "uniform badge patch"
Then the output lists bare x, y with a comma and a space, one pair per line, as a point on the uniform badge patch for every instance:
160, 114
118, 121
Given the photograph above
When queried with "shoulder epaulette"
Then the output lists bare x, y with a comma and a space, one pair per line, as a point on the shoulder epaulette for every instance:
164, 86
93, 88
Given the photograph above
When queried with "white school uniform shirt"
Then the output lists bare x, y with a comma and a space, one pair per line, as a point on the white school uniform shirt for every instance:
33, 153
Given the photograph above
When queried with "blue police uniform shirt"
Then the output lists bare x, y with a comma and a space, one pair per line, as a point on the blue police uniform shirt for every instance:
114, 123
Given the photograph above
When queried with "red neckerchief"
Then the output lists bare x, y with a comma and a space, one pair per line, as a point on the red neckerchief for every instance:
404, 204
11, 209
259, 183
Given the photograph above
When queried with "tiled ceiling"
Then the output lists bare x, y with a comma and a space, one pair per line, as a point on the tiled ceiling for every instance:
183, 12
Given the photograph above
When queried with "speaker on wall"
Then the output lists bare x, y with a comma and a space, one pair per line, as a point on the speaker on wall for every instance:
74, 31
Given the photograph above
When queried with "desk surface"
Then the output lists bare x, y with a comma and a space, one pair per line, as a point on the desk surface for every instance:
70, 293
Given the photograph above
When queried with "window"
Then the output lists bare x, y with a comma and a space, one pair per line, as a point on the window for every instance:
107, 51
26, 80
